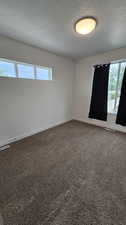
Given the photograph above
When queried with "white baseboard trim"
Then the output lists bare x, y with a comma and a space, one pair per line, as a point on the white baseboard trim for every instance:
104, 125
30, 133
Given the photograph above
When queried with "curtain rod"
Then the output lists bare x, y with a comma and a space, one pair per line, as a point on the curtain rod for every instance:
113, 62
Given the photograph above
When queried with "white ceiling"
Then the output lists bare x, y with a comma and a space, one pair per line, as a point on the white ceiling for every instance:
48, 24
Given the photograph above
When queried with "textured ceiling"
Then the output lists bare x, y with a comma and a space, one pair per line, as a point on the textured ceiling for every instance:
48, 24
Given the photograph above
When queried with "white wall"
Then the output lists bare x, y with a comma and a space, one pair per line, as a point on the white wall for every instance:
29, 106
83, 87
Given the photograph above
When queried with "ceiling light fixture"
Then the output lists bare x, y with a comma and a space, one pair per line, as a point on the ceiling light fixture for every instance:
85, 25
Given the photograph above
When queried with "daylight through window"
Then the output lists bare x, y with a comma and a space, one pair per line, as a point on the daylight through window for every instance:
114, 88
15, 69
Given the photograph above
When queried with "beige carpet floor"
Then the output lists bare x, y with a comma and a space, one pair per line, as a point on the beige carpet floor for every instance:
73, 174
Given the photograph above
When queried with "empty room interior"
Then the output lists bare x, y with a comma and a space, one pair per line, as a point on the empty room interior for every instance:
62, 112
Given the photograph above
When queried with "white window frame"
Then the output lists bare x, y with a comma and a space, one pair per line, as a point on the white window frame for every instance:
50, 70
25, 64
9, 61
116, 90
47, 68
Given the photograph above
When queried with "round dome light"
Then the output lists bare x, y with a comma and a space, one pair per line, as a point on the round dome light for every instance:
85, 25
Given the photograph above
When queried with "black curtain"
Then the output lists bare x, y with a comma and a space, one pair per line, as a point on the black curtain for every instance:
121, 115
98, 106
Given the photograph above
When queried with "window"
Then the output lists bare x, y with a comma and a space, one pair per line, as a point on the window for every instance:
43, 73
25, 71
114, 88
7, 69
14, 69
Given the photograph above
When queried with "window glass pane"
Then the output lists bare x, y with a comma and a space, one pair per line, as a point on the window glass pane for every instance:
122, 69
25, 71
113, 76
43, 73
119, 84
114, 88
7, 69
